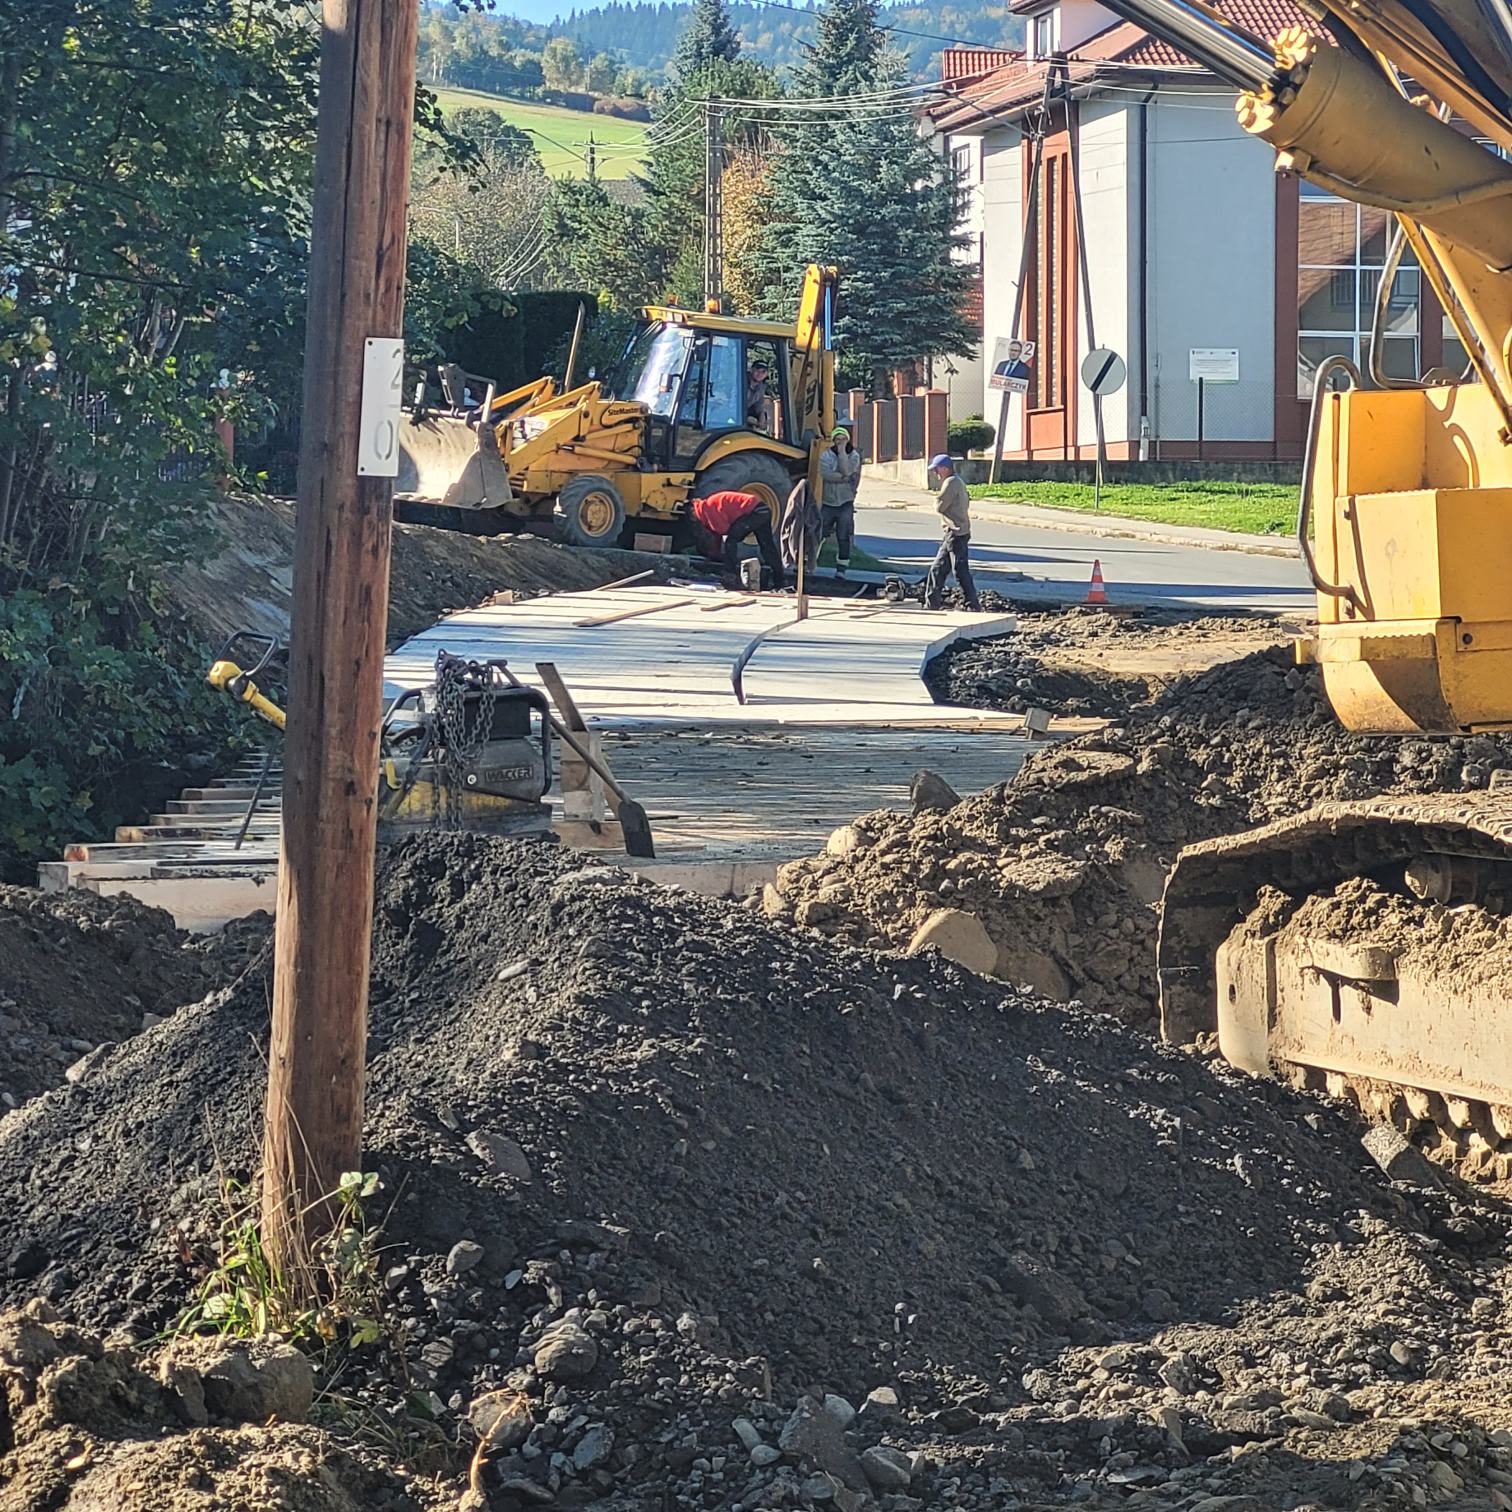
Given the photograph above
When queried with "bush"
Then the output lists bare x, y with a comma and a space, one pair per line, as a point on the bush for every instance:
514, 339
969, 435
101, 716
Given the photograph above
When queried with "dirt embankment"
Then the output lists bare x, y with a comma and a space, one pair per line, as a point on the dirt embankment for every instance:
665, 1169
1064, 866
247, 584
1087, 662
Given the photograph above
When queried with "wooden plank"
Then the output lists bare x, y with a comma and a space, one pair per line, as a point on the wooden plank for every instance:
625, 614
624, 582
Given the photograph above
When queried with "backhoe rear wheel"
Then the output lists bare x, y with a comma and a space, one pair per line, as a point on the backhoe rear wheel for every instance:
590, 511
752, 472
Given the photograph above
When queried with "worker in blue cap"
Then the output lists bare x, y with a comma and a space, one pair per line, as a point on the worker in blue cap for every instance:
954, 506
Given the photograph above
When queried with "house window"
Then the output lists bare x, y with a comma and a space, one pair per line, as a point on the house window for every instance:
1341, 252
1044, 34
960, 163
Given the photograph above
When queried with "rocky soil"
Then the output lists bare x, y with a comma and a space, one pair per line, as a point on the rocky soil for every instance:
1053, 880
683, 1207
89, 1423
1088, 662
79, 971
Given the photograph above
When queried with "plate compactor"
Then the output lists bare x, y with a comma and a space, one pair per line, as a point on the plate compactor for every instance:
470, 752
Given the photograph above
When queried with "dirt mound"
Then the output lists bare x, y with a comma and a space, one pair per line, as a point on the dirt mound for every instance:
753, 1108
1087, 662
657, 1166
86, 1426
78, 971
1064, 866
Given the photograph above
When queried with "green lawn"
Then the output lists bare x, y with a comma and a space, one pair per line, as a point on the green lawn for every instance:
861, 559
561, 136
1253, 508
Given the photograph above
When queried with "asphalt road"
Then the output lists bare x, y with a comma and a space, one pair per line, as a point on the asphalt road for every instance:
899, 523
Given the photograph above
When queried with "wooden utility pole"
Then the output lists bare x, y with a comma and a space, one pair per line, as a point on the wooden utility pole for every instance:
313, 1130
713, 203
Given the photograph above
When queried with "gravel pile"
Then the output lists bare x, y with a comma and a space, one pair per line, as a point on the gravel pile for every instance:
1059, 872
741, 1217
78, 971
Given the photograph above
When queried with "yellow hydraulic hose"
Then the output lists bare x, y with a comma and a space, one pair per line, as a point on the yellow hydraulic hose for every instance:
227, 677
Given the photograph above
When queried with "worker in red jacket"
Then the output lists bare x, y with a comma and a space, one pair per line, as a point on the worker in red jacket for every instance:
724, 520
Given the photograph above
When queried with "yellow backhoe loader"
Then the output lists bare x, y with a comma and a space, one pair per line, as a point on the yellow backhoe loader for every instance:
1319, 948
673, 422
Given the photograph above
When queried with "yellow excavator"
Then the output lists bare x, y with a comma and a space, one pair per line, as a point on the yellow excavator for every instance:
1313, 947
680, 417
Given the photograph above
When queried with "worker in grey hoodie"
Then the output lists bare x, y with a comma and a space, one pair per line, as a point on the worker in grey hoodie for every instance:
953, 505
840, 475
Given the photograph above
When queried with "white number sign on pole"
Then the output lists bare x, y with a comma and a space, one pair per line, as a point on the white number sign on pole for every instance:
382, 395
1213, 364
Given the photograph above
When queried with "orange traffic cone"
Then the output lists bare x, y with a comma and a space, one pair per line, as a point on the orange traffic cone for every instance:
1097, 592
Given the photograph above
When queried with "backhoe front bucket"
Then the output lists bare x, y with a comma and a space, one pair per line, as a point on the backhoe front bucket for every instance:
444, 459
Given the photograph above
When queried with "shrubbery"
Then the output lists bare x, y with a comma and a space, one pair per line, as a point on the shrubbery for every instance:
966, 436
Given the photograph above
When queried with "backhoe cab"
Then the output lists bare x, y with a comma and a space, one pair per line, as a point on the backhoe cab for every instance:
684, 414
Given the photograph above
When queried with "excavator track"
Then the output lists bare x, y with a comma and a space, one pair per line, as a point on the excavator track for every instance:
1358, 950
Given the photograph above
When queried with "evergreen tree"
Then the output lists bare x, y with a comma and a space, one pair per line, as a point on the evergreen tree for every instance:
710, 37
594, 241
674, 179
860, 188
848, 53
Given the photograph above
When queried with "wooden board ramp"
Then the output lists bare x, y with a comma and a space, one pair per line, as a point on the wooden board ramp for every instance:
836, 720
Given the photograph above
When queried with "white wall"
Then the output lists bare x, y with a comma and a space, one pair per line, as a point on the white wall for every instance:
961, 376
1080, 19
1108, 135
1002, 219
1212, 234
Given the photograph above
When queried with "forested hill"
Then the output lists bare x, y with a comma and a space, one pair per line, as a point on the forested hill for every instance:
504, 49
647, 33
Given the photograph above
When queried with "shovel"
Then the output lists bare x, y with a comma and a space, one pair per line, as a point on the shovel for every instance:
635, 827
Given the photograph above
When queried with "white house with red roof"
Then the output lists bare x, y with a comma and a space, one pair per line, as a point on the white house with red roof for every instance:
1192, 243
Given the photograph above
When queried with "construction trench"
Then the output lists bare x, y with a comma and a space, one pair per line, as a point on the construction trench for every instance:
762, 1202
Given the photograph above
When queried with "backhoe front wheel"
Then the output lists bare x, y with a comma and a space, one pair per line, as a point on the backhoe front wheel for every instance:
751, 472
590, 511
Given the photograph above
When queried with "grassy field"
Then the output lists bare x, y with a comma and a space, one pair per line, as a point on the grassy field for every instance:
1253, 508
561, 136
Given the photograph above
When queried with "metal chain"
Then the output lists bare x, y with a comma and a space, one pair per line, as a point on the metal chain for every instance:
463, 734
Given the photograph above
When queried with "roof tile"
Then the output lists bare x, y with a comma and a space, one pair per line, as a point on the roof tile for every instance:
1020, 81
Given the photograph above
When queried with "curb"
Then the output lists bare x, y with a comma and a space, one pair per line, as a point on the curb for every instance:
1118, 527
